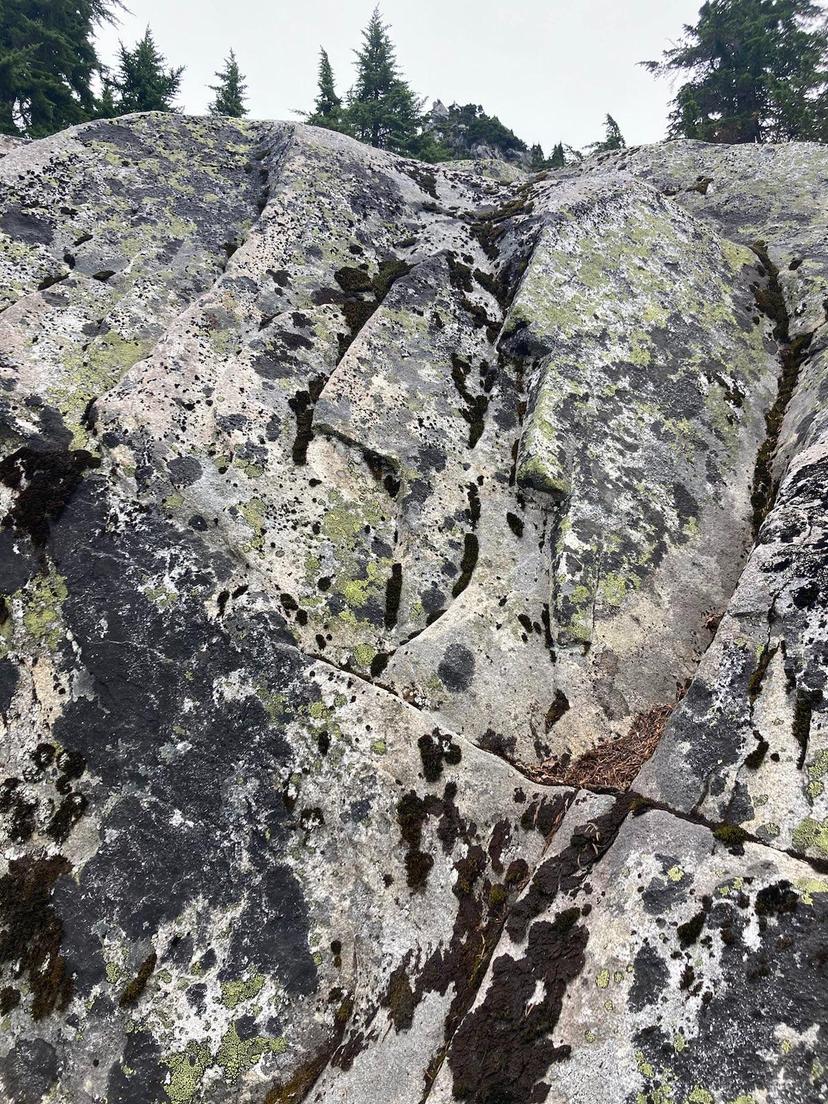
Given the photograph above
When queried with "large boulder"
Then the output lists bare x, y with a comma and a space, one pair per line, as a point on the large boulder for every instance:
367, 525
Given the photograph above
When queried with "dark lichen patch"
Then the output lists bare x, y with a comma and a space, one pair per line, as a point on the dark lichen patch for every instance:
501, 1050
393, 590
757, 988
758, 677
399, 997
412, 812
134, 989
302, 404
801, 727
557, 709
44, 482
422, 176
456, 668
688, 932
66, 816
474, 405
353, 280
31, 931
468, 562
436, 749
515, 523
755, 758
390, 270
566, 872
19, 809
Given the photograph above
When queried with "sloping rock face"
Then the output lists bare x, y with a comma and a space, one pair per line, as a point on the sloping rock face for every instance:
367, 525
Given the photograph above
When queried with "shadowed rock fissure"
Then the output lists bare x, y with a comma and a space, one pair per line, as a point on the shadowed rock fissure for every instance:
792, 354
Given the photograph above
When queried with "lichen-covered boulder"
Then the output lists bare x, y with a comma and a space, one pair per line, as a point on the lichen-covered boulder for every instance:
364, 525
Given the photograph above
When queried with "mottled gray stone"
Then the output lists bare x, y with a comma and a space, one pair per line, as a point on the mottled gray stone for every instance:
347, 501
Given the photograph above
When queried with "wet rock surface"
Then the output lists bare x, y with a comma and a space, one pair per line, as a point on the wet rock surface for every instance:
366, 526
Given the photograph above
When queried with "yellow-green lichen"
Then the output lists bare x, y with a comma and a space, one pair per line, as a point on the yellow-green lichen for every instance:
234, 993
236, 1056
811, 835
42, 601
187, 1068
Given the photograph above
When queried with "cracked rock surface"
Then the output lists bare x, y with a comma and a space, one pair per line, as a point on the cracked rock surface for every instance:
413, 632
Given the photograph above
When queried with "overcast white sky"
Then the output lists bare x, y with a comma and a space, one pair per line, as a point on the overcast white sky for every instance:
550, 69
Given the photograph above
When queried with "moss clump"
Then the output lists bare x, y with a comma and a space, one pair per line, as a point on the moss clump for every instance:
133, 991
353, 280
730, 834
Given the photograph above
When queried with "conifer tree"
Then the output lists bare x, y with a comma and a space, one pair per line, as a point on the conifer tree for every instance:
48, 62
558, 158
756, 72
536, 159
613, 138
105, 105
328, 105
382, 108
230, 92
143, 82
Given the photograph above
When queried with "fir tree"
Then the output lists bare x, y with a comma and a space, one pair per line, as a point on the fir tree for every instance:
613, 138
328, 105
536, 159
143, 82
382, 109
558, 158
757, 72
327, 109
105, 106
48, 62
230, 92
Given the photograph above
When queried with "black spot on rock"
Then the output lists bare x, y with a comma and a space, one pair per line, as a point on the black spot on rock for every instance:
456, 668
184, 470
649, 980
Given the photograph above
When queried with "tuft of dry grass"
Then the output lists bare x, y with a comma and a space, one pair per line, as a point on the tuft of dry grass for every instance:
612, 765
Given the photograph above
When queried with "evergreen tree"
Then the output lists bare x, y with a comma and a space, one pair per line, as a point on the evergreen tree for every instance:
382, 109
757, 72
105, 106
327, 108
48, 62
558, 158
230, 92
143, 82
613, 138
328, 105
536, 159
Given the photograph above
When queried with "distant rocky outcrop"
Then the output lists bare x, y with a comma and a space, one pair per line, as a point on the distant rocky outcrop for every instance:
463, 132
414, 631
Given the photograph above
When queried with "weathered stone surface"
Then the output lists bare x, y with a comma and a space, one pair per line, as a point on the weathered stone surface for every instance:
350, 504
664, 968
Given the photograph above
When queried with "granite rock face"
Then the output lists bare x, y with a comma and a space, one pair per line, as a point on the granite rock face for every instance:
413, 641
